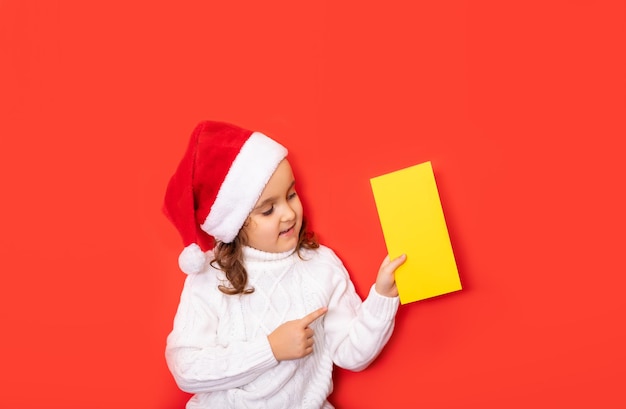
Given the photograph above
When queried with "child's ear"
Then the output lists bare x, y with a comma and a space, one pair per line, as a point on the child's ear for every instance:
245, 224
243, 238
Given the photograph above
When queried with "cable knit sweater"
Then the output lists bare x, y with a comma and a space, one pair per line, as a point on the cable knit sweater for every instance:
218, 348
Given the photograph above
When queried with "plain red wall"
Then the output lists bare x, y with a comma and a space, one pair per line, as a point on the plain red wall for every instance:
520, 106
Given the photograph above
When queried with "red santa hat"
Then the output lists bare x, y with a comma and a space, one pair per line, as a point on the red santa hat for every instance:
216, 185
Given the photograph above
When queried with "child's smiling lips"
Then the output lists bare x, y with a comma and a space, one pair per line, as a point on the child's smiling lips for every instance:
289, 230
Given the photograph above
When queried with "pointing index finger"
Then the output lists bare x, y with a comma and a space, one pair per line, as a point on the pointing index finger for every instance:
308, 319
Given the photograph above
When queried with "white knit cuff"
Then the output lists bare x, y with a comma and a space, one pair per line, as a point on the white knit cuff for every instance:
261, 355
381, 307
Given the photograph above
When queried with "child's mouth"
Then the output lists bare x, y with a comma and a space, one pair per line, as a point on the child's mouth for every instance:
289, 230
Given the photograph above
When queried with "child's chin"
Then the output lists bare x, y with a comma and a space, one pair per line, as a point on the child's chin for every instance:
288, 242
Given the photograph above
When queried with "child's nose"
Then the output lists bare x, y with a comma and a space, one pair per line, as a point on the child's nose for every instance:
288, 213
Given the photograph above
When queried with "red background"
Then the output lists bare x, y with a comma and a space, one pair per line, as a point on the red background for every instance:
520, 106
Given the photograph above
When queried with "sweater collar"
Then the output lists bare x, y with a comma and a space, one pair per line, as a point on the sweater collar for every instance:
251, 254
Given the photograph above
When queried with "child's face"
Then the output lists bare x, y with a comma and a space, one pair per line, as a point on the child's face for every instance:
274, 223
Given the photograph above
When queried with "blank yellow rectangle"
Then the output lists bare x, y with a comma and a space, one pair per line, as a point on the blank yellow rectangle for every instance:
413, 223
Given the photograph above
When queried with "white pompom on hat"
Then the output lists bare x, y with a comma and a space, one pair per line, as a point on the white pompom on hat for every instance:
216, 185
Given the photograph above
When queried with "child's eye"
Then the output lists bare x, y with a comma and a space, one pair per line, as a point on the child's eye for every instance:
268, 212
291, 195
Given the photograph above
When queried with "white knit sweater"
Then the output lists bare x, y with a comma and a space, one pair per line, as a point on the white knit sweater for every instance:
218, 348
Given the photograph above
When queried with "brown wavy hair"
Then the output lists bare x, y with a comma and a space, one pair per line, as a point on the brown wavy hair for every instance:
229, 259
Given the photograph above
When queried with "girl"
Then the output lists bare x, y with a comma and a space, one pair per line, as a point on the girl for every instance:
265, 311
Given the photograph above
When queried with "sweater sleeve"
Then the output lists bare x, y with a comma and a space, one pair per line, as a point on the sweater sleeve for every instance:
197, 361
356, 330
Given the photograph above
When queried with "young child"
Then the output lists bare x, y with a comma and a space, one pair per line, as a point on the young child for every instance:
265, 311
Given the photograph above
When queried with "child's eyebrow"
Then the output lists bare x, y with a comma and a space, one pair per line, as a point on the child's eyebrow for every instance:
273, 198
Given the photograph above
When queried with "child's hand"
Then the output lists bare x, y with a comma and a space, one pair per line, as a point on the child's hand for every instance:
294, 339
386, 281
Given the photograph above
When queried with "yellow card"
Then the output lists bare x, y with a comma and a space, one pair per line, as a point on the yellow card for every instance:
412, 220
